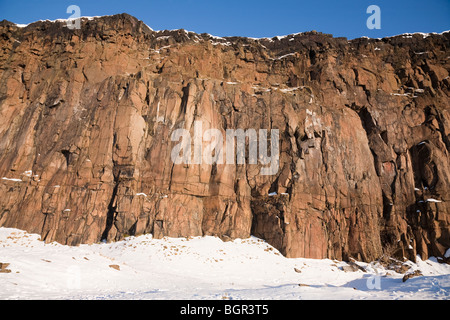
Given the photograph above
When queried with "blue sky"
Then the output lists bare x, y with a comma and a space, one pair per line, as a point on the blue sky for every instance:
252, 18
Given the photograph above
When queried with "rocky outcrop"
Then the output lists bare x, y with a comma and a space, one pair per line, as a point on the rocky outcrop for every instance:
87, 116
3, 267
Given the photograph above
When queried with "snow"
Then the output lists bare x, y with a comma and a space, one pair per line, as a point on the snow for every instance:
148, 27
141, 194
423, 34
261, 88
163, 37
21, 25
28, 173
433, 200
406, 35
291, 89
12, 179
285, 56
400, 94
279, 38
197, 268
221, 43
215, 37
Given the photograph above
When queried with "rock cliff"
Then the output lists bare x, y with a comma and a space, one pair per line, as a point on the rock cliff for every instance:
86, 118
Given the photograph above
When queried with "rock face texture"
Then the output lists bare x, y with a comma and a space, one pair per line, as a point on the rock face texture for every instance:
86, 118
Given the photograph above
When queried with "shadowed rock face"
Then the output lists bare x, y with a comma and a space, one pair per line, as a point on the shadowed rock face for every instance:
86, 118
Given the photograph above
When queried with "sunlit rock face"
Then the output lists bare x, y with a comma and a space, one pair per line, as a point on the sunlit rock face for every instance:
87, 118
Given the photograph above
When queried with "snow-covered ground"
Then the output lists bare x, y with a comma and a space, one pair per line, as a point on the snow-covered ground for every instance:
197, 268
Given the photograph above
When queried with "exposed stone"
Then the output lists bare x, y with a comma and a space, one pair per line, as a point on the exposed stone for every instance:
410, 275
115, 267
3, 267
86, 118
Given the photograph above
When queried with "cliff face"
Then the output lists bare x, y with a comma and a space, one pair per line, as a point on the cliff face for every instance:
86, 118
